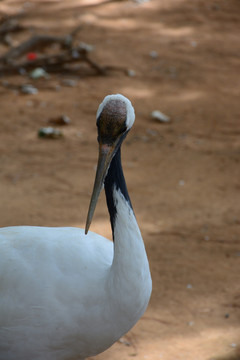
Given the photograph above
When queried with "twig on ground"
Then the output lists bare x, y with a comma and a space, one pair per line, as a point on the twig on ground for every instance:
12, 62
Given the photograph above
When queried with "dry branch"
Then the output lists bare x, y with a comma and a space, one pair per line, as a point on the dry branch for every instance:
39, 42
12, 62
53, 63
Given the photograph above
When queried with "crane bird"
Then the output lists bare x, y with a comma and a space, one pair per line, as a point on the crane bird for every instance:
66, 293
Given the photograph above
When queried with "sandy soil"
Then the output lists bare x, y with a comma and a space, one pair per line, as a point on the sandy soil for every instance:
183, 176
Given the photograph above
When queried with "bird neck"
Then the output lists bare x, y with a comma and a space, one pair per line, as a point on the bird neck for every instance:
129, 278
115, 181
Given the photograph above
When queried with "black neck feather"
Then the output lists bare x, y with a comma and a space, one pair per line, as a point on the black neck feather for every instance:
115, 180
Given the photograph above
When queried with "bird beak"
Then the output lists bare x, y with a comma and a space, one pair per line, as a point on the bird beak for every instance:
106, 153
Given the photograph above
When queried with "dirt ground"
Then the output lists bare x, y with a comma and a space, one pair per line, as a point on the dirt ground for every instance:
183, 176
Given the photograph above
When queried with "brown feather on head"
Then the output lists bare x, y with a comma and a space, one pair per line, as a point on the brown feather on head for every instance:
112, 121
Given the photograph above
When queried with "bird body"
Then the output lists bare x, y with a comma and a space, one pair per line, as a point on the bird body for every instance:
65, 294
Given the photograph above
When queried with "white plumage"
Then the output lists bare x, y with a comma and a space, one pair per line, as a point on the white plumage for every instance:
65, 295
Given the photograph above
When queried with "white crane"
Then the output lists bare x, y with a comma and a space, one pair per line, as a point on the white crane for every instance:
66, 294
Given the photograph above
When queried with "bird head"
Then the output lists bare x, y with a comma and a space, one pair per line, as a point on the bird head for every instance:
115, 117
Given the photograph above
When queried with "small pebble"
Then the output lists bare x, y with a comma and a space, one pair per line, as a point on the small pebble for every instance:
193, 43
158, 115
49, 133
189, 286
131, 73
29, 89
153, 54
69, 82
181, 183
39, 73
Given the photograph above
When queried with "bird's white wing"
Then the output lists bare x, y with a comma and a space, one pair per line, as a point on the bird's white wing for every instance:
48, 276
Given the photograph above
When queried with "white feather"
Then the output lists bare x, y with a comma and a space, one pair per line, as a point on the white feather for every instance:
52, 283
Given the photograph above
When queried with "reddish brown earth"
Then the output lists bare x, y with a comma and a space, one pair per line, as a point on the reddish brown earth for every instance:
183, 176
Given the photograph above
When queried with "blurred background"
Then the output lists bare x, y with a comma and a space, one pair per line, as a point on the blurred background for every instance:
178, 62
